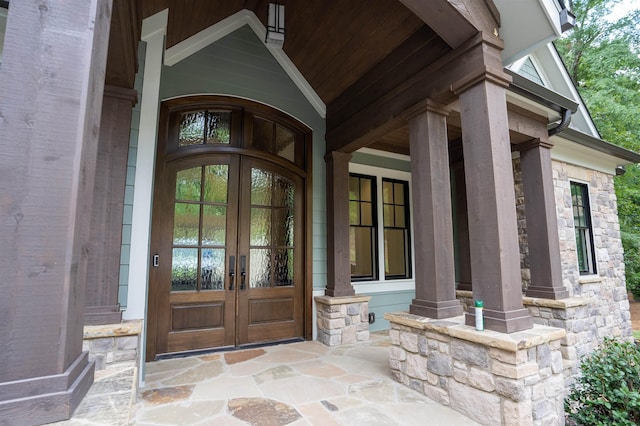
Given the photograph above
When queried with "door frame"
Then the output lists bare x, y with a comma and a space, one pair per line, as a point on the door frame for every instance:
243, 106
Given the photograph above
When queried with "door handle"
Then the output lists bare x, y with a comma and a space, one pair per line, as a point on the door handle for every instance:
232, 271
243, 271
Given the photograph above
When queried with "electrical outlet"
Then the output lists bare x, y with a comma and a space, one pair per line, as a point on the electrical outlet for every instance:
372, 317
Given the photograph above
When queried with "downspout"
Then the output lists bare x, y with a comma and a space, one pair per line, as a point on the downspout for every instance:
564, 123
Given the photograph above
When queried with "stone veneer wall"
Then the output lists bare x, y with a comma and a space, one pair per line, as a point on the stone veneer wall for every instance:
493, 378
112, 343
599, 306
342, 320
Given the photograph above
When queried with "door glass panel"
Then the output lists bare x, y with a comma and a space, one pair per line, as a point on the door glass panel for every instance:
260, 268
283, 227
216, 179
186, 224
214, 225
283, 266
262, 134
285, 144
218, 127
212, 269
261, 185
260, 227
191, 128
283, 194
184, 269
188, 184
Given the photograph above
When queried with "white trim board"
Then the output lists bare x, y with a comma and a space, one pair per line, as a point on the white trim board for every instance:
210, 35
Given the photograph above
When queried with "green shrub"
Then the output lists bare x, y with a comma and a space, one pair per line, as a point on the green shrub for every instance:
608, 389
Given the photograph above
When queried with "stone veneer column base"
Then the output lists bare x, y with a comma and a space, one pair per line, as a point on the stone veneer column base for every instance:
112, 343
493, 378
342, 320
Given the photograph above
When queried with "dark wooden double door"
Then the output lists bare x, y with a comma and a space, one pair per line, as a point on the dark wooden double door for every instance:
228, 251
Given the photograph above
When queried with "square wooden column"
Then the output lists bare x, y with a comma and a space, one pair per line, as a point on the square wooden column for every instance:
493, 233
433, 229
51, 86
338, 265
461, 233
103, 271
542, 221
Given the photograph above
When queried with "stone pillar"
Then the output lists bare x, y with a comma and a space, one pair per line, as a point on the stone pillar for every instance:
342, 320
433, 232
461, 218
542, 221
51, 86
338, 266
495, 258
108, 203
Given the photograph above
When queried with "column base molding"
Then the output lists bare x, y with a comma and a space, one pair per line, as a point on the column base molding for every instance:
47, 399
503, 322
554, 293
437, 310
100, 315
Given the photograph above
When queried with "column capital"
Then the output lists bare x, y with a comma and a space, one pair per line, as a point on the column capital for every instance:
533, 143
337, 155
426, 105
484, 73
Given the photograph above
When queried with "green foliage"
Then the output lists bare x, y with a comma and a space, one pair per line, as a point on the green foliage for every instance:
608, 389
603, 59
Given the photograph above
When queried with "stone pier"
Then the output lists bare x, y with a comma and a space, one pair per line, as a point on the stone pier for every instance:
342, 320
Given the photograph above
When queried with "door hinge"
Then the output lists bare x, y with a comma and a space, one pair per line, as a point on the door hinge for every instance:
156, 260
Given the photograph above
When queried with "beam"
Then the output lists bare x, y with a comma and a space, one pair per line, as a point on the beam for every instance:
373, 113
454, 27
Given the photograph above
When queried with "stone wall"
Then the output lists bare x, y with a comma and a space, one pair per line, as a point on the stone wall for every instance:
112, 343
342, 320
599, 306
493, 378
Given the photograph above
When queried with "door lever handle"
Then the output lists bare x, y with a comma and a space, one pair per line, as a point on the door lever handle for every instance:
232, 271
243, 271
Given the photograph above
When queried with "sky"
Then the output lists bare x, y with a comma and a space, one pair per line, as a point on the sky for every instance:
623, 7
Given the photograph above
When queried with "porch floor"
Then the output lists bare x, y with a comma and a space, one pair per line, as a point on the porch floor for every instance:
302, 383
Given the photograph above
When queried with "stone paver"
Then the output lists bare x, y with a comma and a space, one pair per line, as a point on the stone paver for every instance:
299, 384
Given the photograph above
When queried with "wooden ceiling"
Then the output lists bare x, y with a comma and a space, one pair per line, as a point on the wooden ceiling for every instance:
340, 47
332, 43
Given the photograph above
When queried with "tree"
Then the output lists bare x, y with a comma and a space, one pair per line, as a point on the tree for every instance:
603, 59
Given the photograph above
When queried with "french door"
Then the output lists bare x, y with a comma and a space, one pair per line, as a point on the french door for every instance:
228, 247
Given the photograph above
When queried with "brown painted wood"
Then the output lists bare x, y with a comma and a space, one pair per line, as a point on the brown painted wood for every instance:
348, 131
433, 233
49, 143
122, 58
108, 204
183, 321
338, 266
450, 21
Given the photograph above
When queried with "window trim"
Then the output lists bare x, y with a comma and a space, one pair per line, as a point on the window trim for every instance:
592, 258
399, 284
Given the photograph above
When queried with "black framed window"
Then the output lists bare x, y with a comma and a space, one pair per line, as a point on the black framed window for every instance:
395, 211
583, 228
363, 227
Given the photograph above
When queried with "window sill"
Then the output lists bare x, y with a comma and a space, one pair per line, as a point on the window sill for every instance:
590, 279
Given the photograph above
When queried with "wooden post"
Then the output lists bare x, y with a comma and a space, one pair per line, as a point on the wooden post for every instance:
103, 271
338, 267
433, 232
494, 249
542, 221
51, 84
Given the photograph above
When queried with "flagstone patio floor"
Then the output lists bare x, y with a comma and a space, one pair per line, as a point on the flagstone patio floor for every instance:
303, 383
